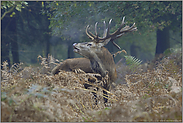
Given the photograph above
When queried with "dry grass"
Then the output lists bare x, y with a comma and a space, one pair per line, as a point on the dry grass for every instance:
31, 94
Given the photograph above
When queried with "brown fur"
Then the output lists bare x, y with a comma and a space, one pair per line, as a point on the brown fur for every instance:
72, 64
107, 63
101, 60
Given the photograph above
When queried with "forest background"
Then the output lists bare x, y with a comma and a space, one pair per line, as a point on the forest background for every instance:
30, 29
34, 31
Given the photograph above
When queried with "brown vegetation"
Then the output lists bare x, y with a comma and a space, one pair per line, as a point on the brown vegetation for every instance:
28, 94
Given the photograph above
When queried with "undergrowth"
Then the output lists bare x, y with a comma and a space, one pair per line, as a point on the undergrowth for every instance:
32, 94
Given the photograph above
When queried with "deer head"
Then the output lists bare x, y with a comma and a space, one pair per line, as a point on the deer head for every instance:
100, 58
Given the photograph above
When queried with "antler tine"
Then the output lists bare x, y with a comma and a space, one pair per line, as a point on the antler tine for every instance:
104, 30
119, 29
122, 23
127, 28
108, 28
110, 37
123, 20
133, 28
96, 30
116, 44
89, 34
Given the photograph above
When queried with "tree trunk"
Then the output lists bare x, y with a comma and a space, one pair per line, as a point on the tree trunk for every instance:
70, 50
163, 41
47, 47
9, 39
47, 41
14, 51
134, 50
47, 34
14, 43
5, 46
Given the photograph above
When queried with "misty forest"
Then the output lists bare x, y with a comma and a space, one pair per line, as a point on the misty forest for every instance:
37, 36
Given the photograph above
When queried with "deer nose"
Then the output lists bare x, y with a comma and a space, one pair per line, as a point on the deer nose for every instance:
74, 44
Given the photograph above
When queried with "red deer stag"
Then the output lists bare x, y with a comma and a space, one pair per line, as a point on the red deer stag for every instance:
96, 55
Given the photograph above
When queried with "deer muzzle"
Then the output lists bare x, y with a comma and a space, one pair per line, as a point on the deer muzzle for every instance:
76, 50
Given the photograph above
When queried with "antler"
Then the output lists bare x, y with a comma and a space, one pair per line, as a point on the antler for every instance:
110, 37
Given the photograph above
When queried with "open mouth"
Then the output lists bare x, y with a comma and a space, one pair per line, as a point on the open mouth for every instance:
75, 48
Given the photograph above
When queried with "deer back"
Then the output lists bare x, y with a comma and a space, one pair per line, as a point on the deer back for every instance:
72, 64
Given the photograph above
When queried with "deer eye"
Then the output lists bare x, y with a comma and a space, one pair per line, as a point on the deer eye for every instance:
89, 45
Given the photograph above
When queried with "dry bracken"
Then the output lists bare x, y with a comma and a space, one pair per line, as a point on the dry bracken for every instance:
28, 95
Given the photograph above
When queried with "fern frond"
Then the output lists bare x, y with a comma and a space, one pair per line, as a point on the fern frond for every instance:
132, 62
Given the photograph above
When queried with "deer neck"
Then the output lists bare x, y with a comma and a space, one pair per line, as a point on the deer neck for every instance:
98, 61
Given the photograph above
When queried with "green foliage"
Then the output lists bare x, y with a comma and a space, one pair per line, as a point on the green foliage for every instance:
132, 62
3, 96
8, 99
68, 20
148, 14
10, 5
170, 51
